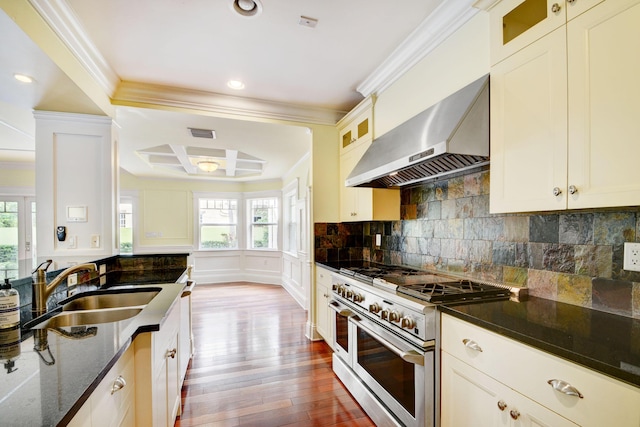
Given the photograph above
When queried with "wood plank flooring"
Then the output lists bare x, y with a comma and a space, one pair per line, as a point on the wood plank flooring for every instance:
254, 366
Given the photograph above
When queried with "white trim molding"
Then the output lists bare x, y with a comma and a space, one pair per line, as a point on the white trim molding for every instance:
437, 27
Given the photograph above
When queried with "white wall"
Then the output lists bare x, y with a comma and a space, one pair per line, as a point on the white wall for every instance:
76, 165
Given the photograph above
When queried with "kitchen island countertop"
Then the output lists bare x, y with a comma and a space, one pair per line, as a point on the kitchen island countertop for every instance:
47, 388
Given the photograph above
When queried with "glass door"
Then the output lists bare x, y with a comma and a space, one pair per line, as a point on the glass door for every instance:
17, 236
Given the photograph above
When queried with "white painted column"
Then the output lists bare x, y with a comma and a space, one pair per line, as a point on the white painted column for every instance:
76, 171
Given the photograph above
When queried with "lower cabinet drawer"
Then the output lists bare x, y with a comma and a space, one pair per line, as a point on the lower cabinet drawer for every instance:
529, 371
113, 400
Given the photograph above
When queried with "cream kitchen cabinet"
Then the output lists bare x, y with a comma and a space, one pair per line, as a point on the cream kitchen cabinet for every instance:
564, 114
515, 24
357, 126
362, 204
157, 372
112, 403
543, 388
365, 204
471, 398
323, 312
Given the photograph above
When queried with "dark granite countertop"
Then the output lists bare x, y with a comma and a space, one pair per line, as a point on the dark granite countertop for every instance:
604, 342
40, 393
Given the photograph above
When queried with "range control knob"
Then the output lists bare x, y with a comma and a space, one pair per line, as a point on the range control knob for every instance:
394, 316
349, 294
357, 297
384, 314
408, 323
375, 308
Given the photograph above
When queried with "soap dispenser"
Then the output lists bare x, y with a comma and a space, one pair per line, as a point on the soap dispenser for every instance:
9, 306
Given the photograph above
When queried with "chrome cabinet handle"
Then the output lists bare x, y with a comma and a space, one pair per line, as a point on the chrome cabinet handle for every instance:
514, 414
118, 384
172, 353
555, 8
557, 191
501, 405
573, 189
472, 345
564, 387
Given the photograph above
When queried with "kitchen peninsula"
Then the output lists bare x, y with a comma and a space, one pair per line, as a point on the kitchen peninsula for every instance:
80, 371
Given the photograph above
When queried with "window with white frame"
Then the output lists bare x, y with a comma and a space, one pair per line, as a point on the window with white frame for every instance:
290, 221
263, 223
218, 222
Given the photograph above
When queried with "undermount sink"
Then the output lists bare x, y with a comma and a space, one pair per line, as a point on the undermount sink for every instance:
102, 306
105, 299
89, 317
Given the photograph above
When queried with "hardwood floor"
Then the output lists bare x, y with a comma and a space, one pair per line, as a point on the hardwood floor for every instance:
254, 366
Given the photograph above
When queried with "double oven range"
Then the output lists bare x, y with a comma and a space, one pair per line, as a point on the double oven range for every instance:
385, 328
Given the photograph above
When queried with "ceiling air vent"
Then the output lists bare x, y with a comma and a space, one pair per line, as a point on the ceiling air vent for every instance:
203, 133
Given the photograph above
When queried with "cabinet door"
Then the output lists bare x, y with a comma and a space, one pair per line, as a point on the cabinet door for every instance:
471, 398
518, 23
355, 203
529, 128
173, 382
110, 406
604, 105
323, 295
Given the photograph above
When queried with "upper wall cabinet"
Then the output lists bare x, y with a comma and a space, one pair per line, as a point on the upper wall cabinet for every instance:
362, 204
517, 23
565, 107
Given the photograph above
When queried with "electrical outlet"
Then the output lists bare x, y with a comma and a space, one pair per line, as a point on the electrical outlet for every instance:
72, 279
631, 256
71, 242
378, 239
95, 241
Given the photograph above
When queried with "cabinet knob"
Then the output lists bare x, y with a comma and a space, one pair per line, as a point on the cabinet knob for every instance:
564, 387
573, 189
570, 1
557, 191
555, 8
472, 345
501, 405
514, 414
172, 353
118, 384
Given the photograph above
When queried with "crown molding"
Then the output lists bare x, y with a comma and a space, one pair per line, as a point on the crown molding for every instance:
62, 20
437, 27
143, 94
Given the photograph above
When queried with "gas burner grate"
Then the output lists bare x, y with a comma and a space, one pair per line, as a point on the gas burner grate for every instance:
453, 291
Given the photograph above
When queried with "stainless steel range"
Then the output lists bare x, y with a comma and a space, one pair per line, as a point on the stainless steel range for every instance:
385, 329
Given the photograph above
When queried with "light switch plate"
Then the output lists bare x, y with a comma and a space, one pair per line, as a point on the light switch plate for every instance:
631, 256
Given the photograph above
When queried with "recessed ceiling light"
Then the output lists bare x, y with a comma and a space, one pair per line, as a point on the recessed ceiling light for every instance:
247, 8
23, 78
235, 84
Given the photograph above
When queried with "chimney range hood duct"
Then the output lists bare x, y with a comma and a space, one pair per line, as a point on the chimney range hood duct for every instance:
450, 136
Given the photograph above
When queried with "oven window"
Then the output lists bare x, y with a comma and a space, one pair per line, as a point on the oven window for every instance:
388, 369
342, 331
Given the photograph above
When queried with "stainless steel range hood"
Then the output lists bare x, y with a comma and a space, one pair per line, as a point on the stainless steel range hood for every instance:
448, 137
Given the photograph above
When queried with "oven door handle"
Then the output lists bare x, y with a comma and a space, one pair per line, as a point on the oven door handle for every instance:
338, 308
410, 356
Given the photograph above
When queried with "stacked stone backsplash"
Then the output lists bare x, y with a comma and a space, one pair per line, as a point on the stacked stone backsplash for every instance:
569, 256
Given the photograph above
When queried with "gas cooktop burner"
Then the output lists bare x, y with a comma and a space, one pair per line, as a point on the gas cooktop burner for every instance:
453, 291
368, 273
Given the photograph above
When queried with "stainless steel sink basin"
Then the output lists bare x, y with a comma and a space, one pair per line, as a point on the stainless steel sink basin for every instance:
89, 317
104, 300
